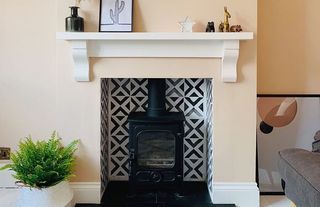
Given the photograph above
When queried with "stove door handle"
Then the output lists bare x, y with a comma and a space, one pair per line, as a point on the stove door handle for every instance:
132, 155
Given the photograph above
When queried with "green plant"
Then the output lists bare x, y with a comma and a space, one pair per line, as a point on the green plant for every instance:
42, 164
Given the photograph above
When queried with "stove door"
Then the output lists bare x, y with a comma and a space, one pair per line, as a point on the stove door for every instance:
156, 149
156, 153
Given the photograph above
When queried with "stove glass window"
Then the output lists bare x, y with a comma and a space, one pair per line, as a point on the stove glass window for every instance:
156, 149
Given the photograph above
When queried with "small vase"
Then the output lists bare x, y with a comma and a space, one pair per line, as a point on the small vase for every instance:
74, 23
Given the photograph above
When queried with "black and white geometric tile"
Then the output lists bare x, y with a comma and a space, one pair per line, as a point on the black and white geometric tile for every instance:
120, 87
184, 95
119, 166
195, 128
104, 152
139, 104
194, 107
175, 104
175, 87
194, 169
209, 129
194, 148
139, 87
194, 87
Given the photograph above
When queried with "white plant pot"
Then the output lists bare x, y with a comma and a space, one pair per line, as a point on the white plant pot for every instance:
60, 195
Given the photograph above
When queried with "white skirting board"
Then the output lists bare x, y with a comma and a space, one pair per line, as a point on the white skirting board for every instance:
86, 192
241, 194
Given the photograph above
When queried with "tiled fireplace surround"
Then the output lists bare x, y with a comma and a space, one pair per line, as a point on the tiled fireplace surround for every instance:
192, 96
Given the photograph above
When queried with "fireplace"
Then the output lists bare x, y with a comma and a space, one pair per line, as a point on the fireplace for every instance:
156, 142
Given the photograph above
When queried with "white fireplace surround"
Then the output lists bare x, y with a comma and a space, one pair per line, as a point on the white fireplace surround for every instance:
226, 46
138, 44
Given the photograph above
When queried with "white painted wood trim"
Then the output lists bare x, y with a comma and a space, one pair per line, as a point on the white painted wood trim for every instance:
86, 192
154, 36
230, 57
81, 60
180, 45
241, 194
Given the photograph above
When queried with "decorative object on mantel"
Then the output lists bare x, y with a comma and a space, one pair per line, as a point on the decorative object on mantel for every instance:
227, 16
178, 45
116, 15
42, 169
210, 27
187, 25
221, 26
74, 23
236, 28
225, 26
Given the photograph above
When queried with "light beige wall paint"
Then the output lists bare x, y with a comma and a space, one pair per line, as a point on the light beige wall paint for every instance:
289, 46
76, 107
28, 70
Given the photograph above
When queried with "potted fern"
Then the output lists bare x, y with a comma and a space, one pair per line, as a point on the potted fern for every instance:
42, 169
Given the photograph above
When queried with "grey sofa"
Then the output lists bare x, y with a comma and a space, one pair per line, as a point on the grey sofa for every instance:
300, 172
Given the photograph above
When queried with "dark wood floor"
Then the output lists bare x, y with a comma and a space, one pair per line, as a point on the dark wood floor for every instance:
192, 194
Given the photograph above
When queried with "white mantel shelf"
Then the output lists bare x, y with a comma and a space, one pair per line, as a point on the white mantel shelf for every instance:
179, 45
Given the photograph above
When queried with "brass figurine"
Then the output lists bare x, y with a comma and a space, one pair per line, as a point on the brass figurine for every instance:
227, 16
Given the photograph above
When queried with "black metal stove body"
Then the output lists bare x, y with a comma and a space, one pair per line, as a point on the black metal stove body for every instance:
156, 143
156, 150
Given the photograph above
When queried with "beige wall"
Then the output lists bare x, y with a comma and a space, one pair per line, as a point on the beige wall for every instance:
28, 70
289, 46
73, 108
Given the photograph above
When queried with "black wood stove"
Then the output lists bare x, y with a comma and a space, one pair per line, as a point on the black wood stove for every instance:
156, 143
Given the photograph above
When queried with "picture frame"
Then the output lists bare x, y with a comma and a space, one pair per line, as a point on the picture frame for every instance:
283, 121
116, 16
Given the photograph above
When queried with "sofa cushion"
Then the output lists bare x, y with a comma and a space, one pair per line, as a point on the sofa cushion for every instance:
300, 169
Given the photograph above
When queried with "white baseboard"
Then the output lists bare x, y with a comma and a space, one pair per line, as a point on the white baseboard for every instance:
86, 192
241, 194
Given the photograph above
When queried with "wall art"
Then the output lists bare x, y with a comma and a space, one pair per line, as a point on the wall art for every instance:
283, 121
116, 15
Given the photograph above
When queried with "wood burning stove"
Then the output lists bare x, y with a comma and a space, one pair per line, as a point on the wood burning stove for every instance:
156, 142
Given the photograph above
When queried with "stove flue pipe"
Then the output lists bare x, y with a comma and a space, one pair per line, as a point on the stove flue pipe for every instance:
156, 97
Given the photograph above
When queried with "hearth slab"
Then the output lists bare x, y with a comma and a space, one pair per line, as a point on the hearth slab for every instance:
119, 194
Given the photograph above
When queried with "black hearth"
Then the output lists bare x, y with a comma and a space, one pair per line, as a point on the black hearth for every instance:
195, 194
156, 143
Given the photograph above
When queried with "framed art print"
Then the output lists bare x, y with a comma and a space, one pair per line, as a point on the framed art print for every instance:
116, 15
283, 122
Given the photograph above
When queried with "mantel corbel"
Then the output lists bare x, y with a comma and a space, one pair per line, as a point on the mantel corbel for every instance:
81, 60
230, 60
